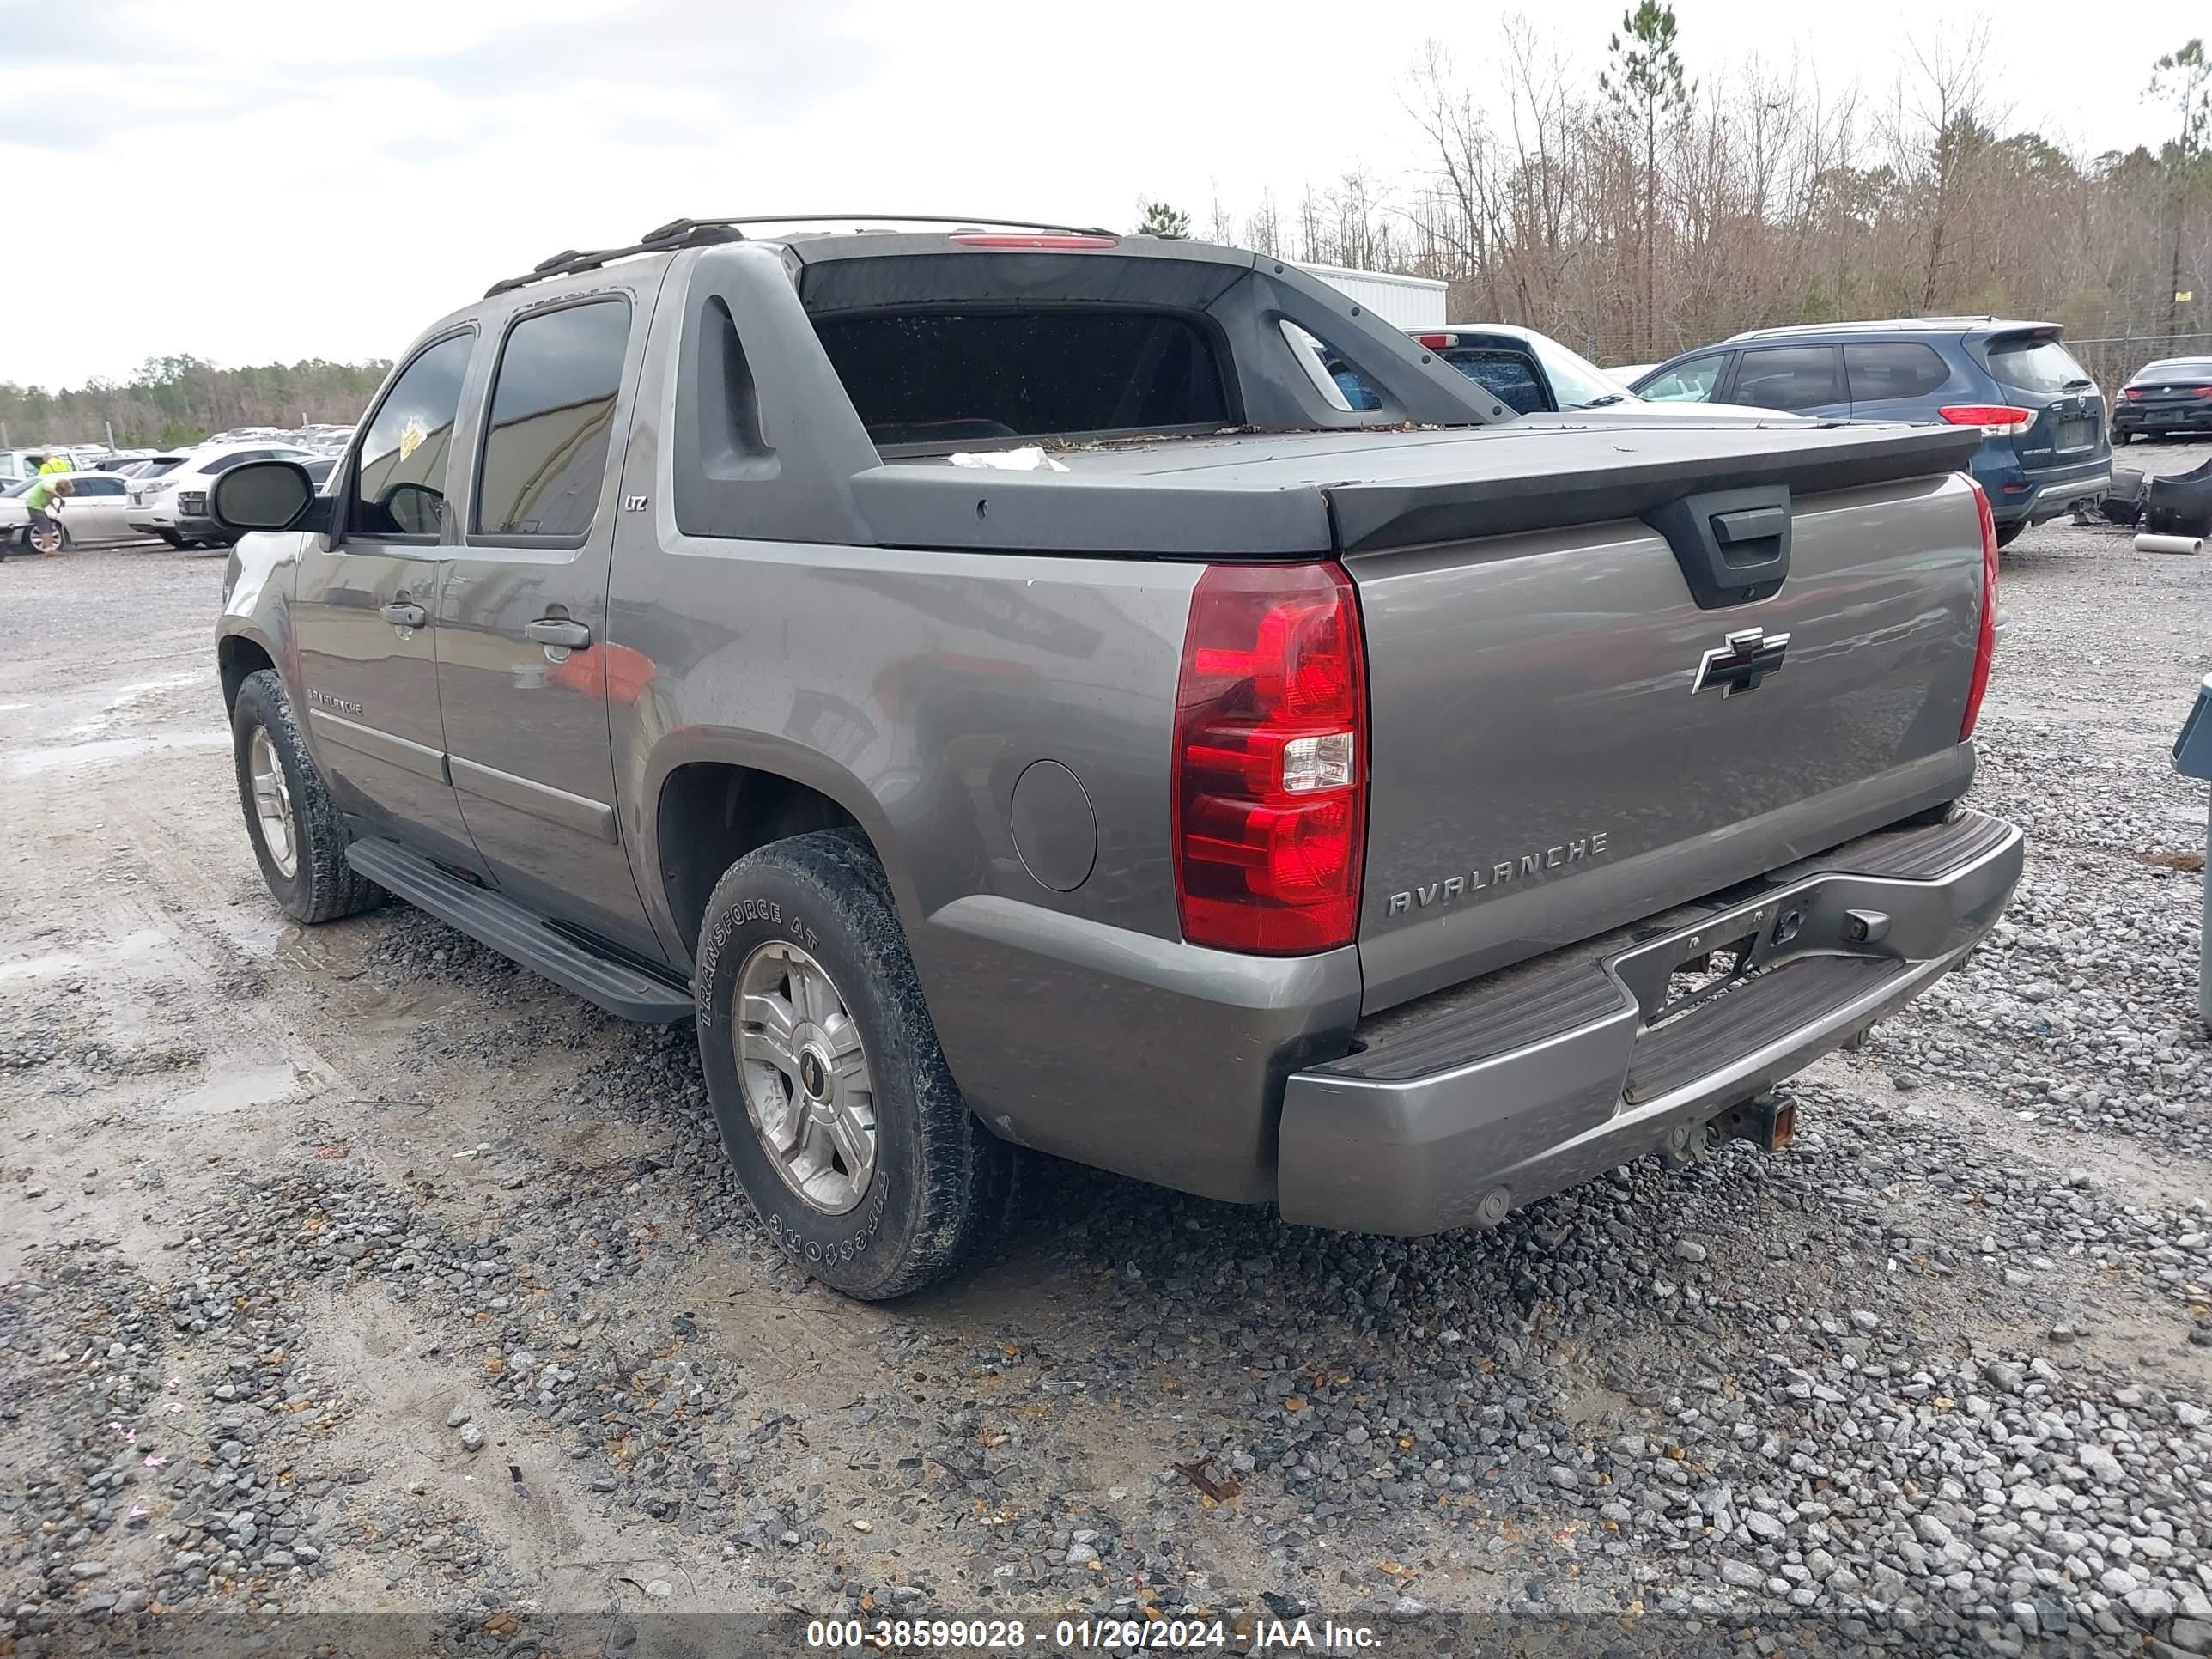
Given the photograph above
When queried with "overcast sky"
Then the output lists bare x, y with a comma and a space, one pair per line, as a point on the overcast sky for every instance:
252, 180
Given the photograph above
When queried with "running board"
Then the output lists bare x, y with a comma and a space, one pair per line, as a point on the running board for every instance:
621, 988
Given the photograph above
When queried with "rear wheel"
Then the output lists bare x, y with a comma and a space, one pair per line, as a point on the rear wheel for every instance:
48, 538
835, 1103
2009, 533
172, 538
298, 839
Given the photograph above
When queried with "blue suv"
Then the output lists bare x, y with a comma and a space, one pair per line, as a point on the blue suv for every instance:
2045, 445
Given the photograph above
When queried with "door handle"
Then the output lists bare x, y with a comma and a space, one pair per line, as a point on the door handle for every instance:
558, 631
404, 615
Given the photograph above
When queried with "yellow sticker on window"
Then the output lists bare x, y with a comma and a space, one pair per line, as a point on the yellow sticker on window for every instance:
411, 437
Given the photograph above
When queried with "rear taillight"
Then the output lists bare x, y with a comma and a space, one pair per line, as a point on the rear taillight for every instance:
1433, 342
1271, 759
1986, 639
1995, 420
2133, 394
2204, 391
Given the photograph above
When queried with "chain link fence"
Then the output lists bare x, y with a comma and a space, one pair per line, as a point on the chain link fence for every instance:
2112, 359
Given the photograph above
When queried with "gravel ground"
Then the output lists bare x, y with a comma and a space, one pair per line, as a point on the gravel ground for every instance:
353, 1270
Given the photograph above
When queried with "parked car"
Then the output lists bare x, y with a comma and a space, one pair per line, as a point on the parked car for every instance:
17, 465
1336, 809
173, 505
1629, 373
1533, 375
2042, 420
2171, 397
149, 466
94, 511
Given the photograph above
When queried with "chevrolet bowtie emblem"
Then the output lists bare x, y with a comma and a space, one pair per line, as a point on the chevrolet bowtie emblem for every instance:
1741, 661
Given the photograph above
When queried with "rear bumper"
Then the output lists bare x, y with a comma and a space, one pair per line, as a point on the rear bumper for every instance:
2021, 495
1470, 1103
2194, 416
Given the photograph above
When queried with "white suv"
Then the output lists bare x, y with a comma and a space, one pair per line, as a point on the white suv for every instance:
174, 506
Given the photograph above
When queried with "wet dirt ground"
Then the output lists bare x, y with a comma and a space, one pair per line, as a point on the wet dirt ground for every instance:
353, 1269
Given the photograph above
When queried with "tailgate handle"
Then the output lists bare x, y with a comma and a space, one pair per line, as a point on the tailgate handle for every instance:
1732, 544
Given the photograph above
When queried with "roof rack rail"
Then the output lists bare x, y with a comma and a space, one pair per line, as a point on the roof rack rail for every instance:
570, 262
680, 227
707, 233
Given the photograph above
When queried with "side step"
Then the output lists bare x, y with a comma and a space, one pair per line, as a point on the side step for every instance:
624, 990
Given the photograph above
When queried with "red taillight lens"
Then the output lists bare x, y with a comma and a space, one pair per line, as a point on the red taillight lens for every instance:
2133, 394
1055, 243
1995, 420
1433, 342
1271, 759
1985, 641
2204, 391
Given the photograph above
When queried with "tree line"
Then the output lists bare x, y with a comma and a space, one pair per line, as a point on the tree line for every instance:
1645, 212
180, 400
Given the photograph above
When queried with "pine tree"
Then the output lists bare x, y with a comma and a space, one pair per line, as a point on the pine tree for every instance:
1645, 83
2183, 79
1162, 221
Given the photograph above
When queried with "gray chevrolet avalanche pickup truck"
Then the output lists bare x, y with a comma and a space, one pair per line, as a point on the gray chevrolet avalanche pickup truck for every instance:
985, 679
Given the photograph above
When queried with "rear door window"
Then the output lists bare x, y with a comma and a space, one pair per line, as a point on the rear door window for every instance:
1687, 383
552, 421
1881, 370
1787, 378
2027, 363
958, 376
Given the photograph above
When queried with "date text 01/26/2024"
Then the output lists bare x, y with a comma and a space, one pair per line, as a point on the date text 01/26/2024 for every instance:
1087, 1635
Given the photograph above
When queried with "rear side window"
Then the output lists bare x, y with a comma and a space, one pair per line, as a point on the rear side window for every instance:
99, 486
2027, 364
949, 377
1509, 376
1903, 368
1787, 376
1686, 383
552, 421
400, 481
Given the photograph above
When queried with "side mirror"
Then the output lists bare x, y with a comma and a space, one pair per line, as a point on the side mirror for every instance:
414, 509
261, 496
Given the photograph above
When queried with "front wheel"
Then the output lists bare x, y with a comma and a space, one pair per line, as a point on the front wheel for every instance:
835, 1103
298, 839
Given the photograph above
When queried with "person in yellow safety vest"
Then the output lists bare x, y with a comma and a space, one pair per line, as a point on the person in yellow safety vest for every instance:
45, 529
56, 463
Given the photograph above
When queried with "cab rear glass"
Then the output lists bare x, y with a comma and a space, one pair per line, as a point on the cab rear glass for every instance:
954, 374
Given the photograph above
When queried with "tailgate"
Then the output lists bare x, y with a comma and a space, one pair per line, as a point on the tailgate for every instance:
1565, 741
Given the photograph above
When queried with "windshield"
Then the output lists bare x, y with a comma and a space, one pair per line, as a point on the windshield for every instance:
1576, 382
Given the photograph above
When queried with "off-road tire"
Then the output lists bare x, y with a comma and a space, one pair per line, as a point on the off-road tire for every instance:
942, 1182
322, 886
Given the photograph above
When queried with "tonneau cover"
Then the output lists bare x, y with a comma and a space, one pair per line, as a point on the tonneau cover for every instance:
1291, 495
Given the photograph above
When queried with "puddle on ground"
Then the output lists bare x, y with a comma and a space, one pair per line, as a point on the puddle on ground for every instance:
121, 697
66, 756
256, 929
233, 1091
131, 951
